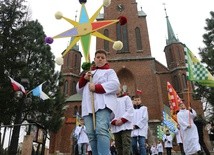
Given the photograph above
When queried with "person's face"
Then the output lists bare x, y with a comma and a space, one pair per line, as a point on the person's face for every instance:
100, 59
138, 101
134, 102
182, 106
82, 122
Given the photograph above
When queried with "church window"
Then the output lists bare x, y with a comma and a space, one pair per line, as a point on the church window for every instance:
75, 110
68, 60
170, 55
122, 35
176, 84
66, 87
138, 39
179, 54
184, 80
75, 61
73, 87
106, 42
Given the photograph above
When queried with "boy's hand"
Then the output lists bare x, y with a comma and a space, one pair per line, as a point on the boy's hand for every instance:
87, 75
92, 87
118, 122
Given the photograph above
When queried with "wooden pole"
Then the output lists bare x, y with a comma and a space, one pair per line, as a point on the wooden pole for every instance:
188, 100
188, 96
93, 109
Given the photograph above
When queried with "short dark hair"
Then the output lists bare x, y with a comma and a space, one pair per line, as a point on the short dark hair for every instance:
137, 96
132, 97
101, 51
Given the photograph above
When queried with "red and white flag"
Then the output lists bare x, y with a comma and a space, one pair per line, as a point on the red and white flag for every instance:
17, 86
138, 92
174, 99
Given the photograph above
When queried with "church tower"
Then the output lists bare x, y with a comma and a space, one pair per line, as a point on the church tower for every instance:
70, 71
175, 56
174, 52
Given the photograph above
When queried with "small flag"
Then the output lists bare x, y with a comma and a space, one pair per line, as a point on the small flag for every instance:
196, 71
17, 86
138, 92
38, 92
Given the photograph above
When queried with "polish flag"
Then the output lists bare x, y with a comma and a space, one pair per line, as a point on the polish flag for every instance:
17, 86
138, 91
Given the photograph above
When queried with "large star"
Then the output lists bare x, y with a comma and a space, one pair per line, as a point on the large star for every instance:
84, 29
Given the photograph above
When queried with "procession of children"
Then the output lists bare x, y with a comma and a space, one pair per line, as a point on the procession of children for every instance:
126, 118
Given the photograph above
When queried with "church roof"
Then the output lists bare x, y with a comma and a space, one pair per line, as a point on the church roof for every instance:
74, 98
171, 35
141, 13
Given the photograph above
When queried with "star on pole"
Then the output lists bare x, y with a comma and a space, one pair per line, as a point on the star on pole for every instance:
84, 29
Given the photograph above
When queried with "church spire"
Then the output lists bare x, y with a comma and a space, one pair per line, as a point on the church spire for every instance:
171, 36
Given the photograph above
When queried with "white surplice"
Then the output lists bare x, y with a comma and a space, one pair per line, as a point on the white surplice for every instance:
140, 119
110, 83
124, 109
190, 135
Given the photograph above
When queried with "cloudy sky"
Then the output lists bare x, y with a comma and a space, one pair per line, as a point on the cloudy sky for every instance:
187, 18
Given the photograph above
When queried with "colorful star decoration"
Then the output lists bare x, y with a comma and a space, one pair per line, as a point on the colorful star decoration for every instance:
85, 28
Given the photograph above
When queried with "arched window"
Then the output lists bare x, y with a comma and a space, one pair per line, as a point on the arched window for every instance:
66, 87
184, 80
170, 55
75, 110
179, 54
75, 61
73, 87
106, 42
122, 35
138, 39
68, 60
176, 84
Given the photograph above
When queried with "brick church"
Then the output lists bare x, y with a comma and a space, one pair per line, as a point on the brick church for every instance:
134, 65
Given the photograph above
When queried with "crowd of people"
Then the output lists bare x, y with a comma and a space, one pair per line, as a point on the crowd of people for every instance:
106, 108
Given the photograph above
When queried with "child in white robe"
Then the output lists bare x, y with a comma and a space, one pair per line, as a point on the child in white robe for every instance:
167, 139
121, 125
154, 149
160, 147
98, 88
140, 122
82, 138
